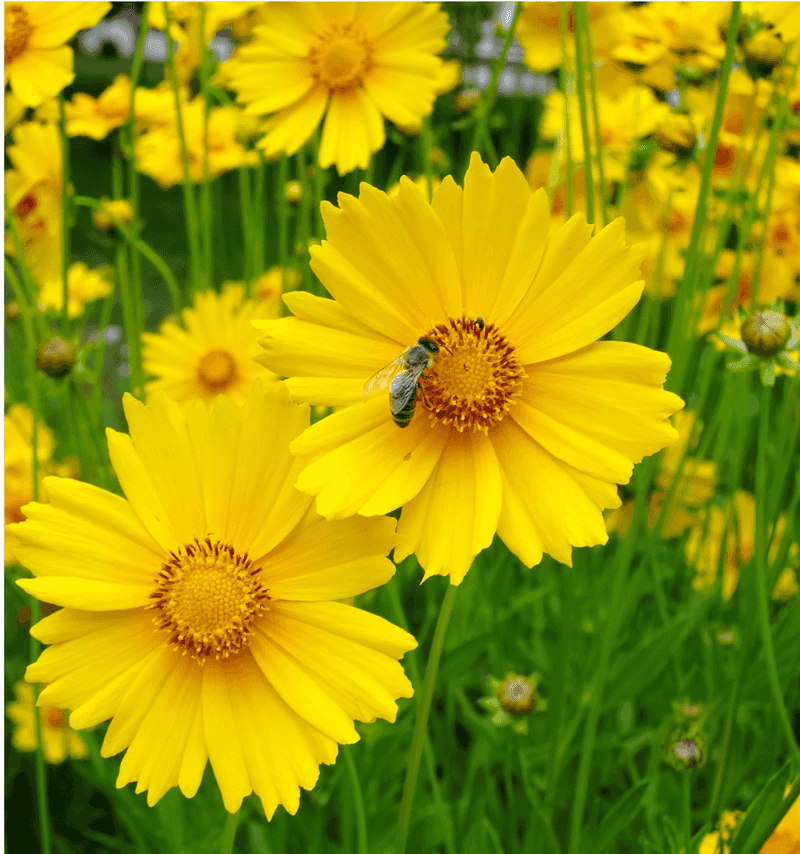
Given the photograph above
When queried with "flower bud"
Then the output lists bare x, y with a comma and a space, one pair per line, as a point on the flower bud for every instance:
467, 99
293, 192
765, 333
12, 310
685, 750
55, 357
517, 695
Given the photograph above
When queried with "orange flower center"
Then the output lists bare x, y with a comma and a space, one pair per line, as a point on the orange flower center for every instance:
341, 59
25, 205
208, 597
475, 378
55, 717
217, 370
17, 31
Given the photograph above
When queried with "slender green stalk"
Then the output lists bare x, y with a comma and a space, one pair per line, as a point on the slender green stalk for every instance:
260, 217
687, 809
358, 802
129, 136
229, 835
28, 292
481, 138
581, 25
66, 215
425, 151
283, 212
304, 218
595, 114
421, 723
205, 190
99, 359
190, 210
778, 701
564, 78
623, 559
686, 287
246, 209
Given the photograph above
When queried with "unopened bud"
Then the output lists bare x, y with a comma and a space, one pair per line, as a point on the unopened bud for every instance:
517, 695
293, 192
55, 357
12, 310
765, 333
685, 750
467, 99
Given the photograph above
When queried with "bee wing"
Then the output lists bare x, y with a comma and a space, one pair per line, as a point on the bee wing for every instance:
385, 375
403, 387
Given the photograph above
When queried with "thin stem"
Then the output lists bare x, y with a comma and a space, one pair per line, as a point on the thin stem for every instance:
565, 89
260, 214
358, 802
481, 135
188, 189
595, 114
66, 214
579, 13
205, 192
283, 212
229, 835
761, 574
687, 809
421, 723
425, 150
246, 210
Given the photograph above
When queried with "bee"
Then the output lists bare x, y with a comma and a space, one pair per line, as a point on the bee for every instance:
403, 376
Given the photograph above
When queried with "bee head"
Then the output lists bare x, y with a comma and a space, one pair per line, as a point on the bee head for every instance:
479, 323
430, 346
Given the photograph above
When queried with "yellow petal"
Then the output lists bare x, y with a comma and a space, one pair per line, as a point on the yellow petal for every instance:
455, 514
87, 595
289, 129
331, 560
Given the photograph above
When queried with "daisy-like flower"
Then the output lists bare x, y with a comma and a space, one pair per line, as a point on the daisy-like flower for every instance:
214, 353
58, 740
199, 615
97, 117
354, 63
83, 286
38, 62
524, 421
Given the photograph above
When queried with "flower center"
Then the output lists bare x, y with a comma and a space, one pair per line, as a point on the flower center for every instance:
17, 31
56, 717
476, 376
341, 59
217, 370
208, 597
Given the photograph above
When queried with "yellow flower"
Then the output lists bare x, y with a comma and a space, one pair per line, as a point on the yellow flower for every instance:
158, 152
198, 614
785, 839
421, 182
111, 212
97, 117
58, 740
84, 285
38, 63
354, 63
33, 188
14, 110
727, 823
213, 354
520, 391
155, 108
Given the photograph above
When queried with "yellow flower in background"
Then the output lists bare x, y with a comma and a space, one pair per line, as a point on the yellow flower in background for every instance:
199, 613
727, 824
214, 353
18, 457
97, 117
155, 108
351, 63
58, 740
158, 152
14, 110
111, 212
520, 392
38, 64
83, 286
33, 189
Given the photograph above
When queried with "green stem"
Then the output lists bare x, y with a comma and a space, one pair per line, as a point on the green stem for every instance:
283, 212
425, 150
421, 723
205, 192
481, 135
358, 802
687, 809
188, 189
761, 574
686, 287
66, 215
595, 113
260, 214
565, 89
246, 210
229, 835
304, 220
580, 14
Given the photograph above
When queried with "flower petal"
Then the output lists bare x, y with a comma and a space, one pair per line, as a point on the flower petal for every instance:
289, 129
455, 514
87, 595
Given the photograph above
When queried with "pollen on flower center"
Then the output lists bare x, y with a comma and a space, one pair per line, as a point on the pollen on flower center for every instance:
217, 370
476, 377
17, 31
341, 59
207, 597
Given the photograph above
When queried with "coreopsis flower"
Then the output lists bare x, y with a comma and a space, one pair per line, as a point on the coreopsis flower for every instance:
513, 700
353, 63
518, 390
767, 342
18, 457
14, 111
111, 212
158, 152
199, 614
97, 117
58, 740
56, 356
728, 822
38, 62
212, 353
33, 190
83, 286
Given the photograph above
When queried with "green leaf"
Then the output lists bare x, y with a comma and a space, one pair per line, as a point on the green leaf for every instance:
763, 815
619, 816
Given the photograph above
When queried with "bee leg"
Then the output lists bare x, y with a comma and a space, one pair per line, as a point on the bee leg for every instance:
424, 399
